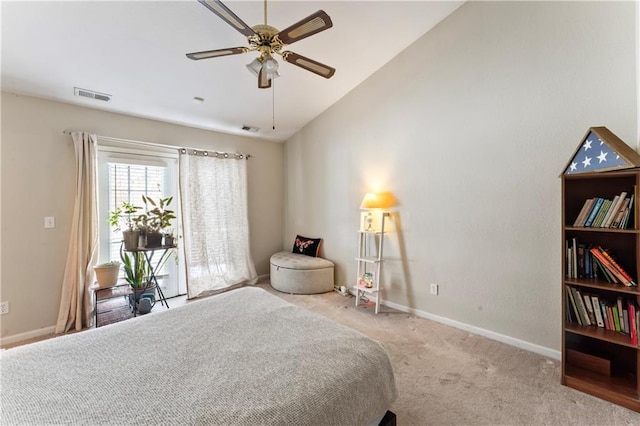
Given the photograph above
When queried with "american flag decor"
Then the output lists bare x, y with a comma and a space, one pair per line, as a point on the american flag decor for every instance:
601, 150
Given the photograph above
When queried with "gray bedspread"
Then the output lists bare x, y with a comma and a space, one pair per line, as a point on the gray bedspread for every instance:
245, 357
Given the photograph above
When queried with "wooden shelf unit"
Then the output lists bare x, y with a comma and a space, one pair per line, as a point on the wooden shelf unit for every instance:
620, 385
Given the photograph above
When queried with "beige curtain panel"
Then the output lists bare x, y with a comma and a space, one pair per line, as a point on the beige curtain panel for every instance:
76, 302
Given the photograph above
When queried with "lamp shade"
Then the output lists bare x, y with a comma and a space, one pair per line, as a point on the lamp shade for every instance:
373, 200
254, 66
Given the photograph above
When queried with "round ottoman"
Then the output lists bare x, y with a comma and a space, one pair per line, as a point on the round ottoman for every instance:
301, 274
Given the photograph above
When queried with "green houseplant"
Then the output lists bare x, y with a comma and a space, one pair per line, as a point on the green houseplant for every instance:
156, 218
123, 217
137, 273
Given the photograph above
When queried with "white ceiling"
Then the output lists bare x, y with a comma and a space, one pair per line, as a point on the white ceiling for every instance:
135, 51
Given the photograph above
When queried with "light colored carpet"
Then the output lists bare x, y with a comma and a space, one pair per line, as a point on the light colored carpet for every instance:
447, 376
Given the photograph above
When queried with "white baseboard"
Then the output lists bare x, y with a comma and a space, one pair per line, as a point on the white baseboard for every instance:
531, 347
26, 336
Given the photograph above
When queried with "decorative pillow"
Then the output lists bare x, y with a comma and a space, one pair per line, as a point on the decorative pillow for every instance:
308, 246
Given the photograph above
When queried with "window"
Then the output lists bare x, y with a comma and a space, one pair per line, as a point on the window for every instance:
125, 174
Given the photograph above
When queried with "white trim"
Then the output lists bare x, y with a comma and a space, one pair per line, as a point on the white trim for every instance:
531, 347
147, 152
28, 335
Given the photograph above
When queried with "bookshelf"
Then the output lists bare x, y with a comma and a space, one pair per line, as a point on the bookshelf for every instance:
596, 360
369, 261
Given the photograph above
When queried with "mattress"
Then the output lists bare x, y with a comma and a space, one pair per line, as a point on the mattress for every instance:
245, 357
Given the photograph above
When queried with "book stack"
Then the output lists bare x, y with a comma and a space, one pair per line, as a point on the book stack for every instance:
600, 212
589, 261
617, 314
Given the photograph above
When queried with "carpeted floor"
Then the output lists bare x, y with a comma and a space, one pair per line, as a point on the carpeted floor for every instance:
447, 376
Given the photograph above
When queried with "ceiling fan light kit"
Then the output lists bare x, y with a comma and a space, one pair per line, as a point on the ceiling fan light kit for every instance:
268, 41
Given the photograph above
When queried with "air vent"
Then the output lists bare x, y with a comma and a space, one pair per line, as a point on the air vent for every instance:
91, 94
251, 129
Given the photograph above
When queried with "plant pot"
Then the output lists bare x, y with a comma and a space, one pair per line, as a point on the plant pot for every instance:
169, 241
130, 239
107, 276
154, 239
139, 293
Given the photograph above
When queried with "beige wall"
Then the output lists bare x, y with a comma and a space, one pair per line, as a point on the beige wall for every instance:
469, 128
38, 180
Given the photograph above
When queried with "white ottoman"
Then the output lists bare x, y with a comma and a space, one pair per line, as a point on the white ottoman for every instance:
301, 274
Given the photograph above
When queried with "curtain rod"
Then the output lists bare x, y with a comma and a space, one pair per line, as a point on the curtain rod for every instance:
152, 144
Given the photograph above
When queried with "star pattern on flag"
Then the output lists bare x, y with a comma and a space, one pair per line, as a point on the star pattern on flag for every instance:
607, 159
603, 156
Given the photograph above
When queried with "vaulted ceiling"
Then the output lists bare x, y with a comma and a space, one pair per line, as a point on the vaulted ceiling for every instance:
135, 52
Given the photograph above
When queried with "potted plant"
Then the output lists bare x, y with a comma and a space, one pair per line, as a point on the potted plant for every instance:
107, 273
123, 215
137, 272
169, 239
156, 219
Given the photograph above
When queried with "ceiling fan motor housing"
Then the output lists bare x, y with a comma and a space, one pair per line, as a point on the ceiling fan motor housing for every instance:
265, 40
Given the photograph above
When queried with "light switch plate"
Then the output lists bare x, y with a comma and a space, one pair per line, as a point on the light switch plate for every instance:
49, 222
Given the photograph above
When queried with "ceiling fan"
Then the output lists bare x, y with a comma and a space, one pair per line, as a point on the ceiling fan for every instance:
269, 41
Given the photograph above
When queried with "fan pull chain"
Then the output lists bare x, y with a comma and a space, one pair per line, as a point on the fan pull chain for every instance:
273, 104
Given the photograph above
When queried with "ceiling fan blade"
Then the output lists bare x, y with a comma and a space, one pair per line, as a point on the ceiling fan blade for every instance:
310, 25
263, 81
216, 53
309, 64
217, 7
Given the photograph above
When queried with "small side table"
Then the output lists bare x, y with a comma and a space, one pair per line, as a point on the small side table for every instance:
102, 294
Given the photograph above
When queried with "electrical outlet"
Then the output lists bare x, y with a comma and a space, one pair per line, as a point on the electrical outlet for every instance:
434, 289
4, 308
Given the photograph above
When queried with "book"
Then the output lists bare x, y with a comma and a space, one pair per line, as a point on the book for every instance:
608, 266
603, 272
624, 223
584, 316
633, 329
573, 304
604, 209
618, 201
625, 321
597, 310
616, 317
583, 212
574, 259
620, 214
613, 209
634, 206
594, 211
607, 253
581, 260
612, 324
580, 307
589, 306
605, 315
588, 269
568, 260
620, 313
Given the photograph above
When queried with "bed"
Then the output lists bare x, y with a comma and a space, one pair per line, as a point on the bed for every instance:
245, 357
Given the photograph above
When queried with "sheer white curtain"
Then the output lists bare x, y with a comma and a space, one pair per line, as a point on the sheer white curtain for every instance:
213, 193
75, 303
